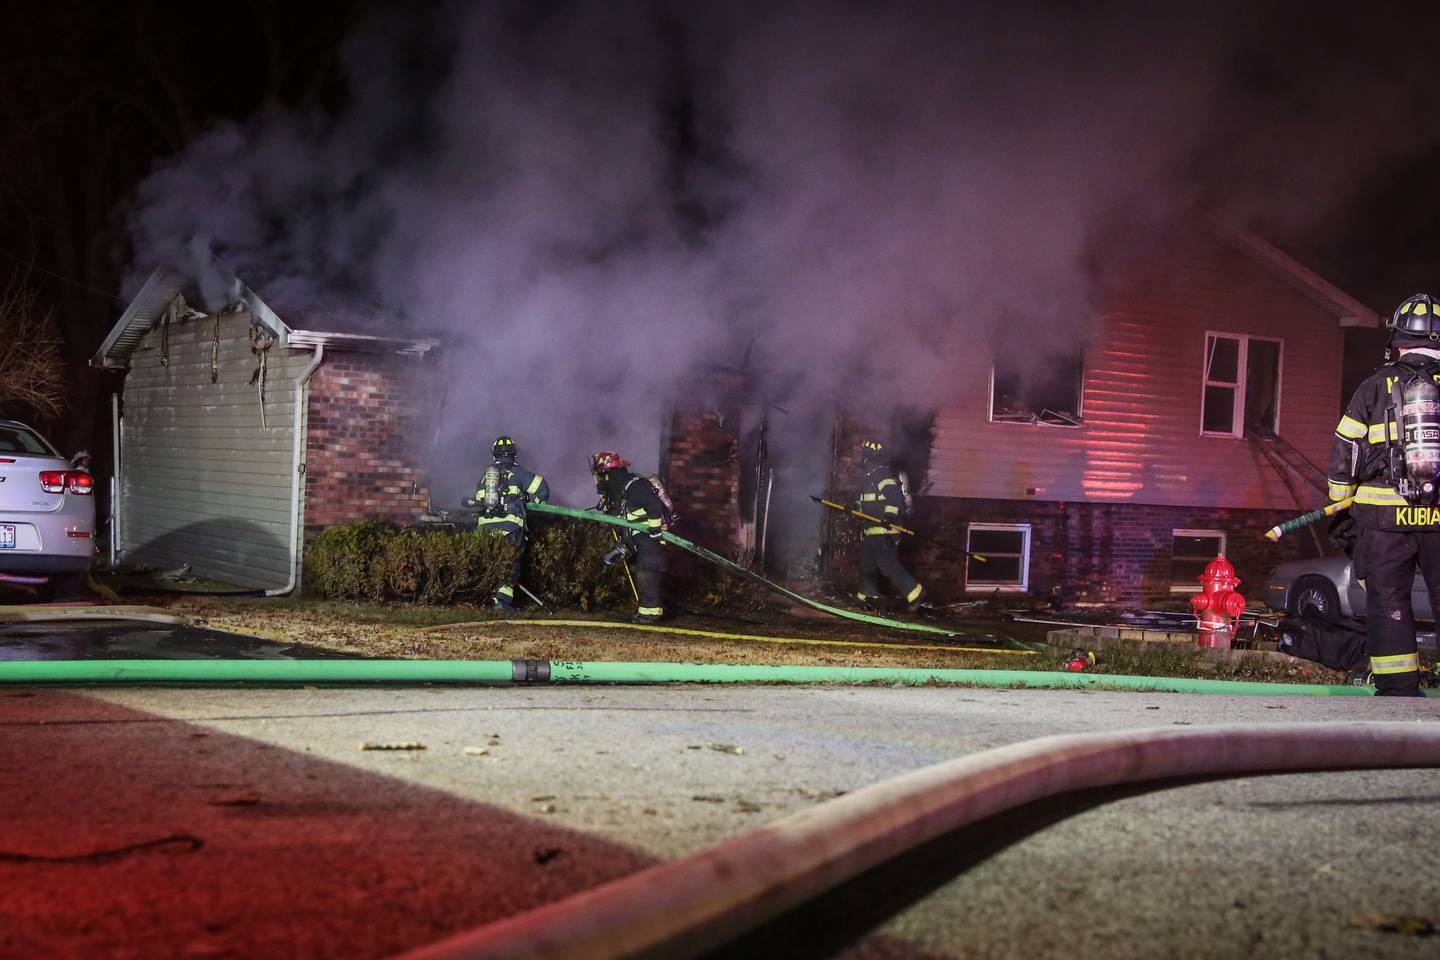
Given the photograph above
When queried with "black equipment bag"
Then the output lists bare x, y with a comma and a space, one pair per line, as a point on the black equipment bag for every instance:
1337, 643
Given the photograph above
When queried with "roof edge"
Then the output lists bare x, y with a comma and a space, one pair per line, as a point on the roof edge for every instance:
1351, 312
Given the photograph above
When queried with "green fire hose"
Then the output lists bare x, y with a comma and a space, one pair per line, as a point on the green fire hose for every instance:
750, 575
355, 672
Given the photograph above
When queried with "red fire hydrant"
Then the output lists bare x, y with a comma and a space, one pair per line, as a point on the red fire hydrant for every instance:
1218, 606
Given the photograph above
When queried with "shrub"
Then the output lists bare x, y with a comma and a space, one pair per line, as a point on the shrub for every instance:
375, 560
340, 562
564, 565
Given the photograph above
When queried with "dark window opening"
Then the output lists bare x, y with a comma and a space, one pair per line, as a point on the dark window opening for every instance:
1242, 385
1038, 389
1006, 549
1191, 552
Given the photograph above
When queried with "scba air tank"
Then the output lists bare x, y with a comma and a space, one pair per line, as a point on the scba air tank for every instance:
1420, 421
491, 486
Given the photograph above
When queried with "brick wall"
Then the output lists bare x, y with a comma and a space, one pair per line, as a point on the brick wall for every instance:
700, 469
1109, 553
370, 423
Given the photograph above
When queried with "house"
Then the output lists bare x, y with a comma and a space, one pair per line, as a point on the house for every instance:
1195, 414
236, 430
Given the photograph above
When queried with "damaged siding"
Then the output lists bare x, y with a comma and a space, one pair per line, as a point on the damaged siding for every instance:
1140, 441
202, 481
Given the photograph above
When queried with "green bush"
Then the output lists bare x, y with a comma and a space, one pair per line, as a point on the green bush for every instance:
375, 560
564, 565
340, 562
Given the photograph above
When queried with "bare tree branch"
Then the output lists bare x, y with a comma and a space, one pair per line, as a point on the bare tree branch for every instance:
32, 365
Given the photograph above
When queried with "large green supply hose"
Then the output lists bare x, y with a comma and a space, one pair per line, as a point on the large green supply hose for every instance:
750, 575
351, 672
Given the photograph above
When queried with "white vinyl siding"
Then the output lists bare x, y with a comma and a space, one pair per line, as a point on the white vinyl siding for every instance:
1143, 387
203, 481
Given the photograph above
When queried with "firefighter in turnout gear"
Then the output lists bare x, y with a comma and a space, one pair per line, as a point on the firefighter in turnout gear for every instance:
632, 497
1386, 454
502, 494
882, 497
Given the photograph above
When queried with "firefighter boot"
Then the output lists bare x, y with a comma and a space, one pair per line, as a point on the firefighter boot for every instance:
915, 598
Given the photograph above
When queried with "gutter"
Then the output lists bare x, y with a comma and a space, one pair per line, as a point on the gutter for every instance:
297, 475
115, 480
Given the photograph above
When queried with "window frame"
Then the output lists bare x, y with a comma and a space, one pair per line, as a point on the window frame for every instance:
1024, 585
1037, 422
1242, 371
1221, 535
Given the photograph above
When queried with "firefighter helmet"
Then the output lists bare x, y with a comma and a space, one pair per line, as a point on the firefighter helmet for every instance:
503, 447
872, 450
1415, 320
606, 460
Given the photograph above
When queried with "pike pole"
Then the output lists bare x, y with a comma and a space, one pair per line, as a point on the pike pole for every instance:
840, 507
1295, 523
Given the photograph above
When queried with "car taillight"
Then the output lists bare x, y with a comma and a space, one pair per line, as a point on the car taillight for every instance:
58, 481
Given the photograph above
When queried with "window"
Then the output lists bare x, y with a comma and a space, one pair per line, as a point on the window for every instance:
1006, 549
1242, 385
1190, 552
1042, 390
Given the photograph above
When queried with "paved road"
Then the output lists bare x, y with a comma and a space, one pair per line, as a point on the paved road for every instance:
140, 640
272, 834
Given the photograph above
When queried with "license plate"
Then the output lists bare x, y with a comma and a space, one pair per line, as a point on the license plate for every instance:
7, 536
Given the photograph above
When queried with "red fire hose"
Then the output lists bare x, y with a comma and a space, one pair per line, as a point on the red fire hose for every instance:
691, 905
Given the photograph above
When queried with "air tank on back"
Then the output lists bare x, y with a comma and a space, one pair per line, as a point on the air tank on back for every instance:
1420, 424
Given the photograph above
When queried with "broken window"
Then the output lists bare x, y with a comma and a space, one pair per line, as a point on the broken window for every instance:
1025, 388
1190, 553
1242, 385
1006, 549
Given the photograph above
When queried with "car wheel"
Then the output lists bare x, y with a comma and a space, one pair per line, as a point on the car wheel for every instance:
1314, 595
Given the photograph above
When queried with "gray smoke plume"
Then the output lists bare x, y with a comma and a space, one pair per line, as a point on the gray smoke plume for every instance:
596, 199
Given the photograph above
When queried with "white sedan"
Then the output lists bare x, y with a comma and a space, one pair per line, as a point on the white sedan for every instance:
47, 514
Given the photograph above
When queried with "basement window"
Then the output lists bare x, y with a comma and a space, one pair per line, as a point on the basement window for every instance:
1242, 386
1006, 549
1190, 553
1045, 391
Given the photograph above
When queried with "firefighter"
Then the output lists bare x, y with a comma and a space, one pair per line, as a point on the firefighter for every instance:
634, 499
1386, 453
881, 497
502, 494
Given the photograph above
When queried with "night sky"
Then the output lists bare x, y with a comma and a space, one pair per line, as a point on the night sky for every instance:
578, 140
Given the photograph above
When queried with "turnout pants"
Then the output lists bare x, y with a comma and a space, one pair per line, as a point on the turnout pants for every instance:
505, 593
650, 562
880, 557
1386, 561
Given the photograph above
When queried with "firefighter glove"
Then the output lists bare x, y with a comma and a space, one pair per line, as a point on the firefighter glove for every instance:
1343, 532
621, 551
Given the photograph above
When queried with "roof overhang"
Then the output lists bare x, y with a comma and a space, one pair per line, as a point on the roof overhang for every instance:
159, 293
1351, 312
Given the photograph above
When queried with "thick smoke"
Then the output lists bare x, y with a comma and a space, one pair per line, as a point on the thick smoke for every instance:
597, 200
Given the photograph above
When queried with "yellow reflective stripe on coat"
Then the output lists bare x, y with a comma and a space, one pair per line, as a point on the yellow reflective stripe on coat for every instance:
1376, 433
651, 611
1401, 663
1351, 429
882, 483
508, 518
890, 508
869, 497
914, 595
1339, 491
635, 514
872, 531
535, 484
655, 523
1378, 496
